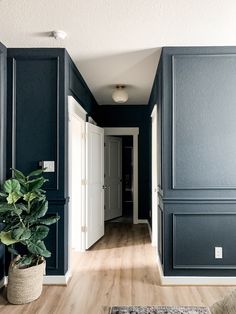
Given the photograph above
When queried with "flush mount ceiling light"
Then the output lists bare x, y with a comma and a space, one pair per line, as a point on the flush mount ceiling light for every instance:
59, 34
120, 95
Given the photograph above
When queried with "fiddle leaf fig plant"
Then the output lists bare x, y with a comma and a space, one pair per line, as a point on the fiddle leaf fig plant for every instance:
23, 206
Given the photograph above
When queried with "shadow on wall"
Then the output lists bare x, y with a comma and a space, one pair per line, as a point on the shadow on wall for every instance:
136, 69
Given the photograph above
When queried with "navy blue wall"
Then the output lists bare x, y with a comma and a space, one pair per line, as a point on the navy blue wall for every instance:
198, 199
36, 124
3, 98
39, 82
133, 116
77, 87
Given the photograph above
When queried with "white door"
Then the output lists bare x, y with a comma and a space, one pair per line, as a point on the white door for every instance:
154, 177
76, 175
94, 184
113, 177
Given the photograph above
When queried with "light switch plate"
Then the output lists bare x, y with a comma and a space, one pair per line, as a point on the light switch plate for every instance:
218, 252
49, 166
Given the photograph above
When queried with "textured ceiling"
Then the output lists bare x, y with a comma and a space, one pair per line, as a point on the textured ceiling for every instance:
118, 41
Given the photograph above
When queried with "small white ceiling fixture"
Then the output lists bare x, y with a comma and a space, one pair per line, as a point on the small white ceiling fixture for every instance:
59, 35
120, 95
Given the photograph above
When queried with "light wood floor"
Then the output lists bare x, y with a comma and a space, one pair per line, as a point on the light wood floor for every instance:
119, 270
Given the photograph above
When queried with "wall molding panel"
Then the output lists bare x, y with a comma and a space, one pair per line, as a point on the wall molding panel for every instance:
55, 185
207, 249
191, 60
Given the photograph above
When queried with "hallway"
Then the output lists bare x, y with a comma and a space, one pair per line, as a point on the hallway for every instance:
118, 270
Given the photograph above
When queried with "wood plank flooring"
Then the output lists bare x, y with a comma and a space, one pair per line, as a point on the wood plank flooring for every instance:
118, 270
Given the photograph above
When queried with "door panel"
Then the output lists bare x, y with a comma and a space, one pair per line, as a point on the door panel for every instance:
113, 177
94, 184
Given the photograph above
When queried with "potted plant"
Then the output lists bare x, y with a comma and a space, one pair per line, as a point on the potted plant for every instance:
23, 206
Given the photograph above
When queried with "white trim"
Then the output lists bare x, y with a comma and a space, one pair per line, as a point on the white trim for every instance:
57, 280
193, 280
90, 120
134, 132
154, 111
154, 163
142, 221
159, 266
150, 230
75, 108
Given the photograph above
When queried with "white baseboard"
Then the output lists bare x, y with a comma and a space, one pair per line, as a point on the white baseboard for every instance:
193, 280
142, 221
150, 230
198, 281
57, 280
47, 280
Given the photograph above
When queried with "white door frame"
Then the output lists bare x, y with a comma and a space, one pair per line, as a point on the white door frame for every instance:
154, 178
133, 132
77, 111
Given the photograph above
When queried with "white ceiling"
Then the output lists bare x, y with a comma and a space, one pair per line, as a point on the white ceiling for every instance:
118, 41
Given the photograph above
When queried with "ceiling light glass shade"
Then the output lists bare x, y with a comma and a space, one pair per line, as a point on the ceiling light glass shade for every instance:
120, 95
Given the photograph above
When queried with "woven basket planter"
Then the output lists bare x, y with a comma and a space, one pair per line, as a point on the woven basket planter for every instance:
25, 285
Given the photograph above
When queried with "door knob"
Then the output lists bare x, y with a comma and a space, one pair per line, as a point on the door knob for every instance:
104, 187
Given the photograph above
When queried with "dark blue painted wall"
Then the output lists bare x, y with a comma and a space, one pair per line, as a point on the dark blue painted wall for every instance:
77, 87
39, 82
3, 98
133, 116
198, 200
36, 124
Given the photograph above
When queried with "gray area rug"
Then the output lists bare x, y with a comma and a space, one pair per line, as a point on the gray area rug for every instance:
158, 310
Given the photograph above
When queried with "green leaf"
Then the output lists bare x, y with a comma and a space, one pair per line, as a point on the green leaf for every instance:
21, 233
40, 211
36, 183
35, 173
6, 207
11, 185
41, 191
3, 195
26, 234
13, 197
18, 175
30, 196
16, 233
6, 238
49, 221
39, 233
38, 248
12, 251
